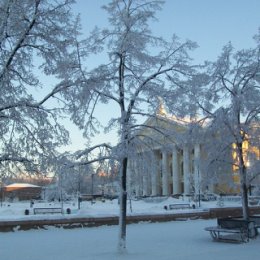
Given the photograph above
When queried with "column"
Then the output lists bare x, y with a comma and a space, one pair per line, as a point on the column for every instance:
197, 177
165, 175
175, 172
149, 173
145, 185
138, 178
155, 174
186, 170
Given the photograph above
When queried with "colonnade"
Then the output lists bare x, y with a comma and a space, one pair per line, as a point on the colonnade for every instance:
166, 171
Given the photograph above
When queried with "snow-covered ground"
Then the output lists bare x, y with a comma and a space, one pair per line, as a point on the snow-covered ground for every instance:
178, 240
16, 210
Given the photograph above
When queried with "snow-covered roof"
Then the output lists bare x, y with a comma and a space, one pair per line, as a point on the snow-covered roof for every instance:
22, 185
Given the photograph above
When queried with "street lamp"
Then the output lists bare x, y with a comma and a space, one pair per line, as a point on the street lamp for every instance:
79, 198
60, 190
2, 192
92, 188
79, 179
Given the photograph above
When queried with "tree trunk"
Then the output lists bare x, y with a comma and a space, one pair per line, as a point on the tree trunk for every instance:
123, 207
245, 207
243, 182
244, 192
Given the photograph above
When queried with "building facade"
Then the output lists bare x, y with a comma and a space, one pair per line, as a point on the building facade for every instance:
166, 171
170, 160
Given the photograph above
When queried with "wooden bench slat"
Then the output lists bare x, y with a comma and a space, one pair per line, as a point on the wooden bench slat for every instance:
47, 210
180, 206
224, 230
256, 219
217, 234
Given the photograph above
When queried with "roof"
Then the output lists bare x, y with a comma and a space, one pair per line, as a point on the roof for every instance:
22, 185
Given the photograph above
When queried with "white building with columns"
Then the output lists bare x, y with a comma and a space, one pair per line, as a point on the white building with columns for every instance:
166, 161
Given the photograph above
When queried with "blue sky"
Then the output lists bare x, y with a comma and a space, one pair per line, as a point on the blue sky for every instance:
210, 23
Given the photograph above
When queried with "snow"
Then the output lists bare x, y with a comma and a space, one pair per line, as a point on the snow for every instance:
180, 240
15, 210
22, 185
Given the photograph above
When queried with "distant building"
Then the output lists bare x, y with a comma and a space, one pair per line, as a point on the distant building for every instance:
22, 191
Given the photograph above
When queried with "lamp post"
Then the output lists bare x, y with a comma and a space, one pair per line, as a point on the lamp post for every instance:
61, 193
79, 179
92, 188
2, 192
198, 187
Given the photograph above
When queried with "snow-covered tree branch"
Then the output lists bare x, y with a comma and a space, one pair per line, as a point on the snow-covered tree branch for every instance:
37, 46
137, 69
228, 96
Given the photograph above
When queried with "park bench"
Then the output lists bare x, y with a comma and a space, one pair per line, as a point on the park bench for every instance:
178, 206
256, 219
47, 210
232, 230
